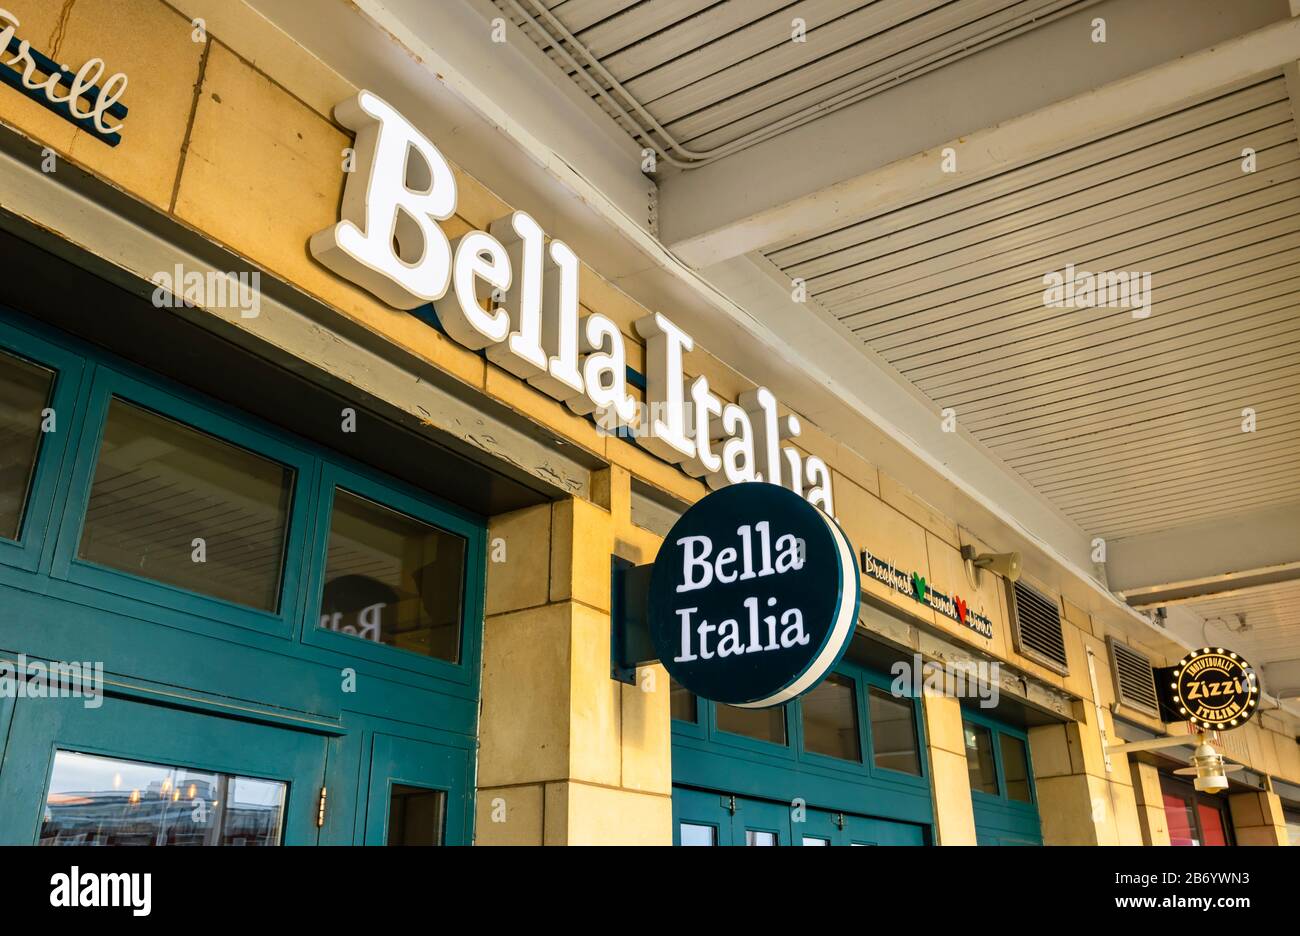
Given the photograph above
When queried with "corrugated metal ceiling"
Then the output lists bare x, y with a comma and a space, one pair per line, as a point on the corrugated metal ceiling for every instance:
1128, 425
702, 78
1272, 619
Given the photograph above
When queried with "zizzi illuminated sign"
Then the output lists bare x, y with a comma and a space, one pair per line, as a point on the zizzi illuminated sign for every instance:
516, 300
1211, 688
915, 586
84, 103
753, 596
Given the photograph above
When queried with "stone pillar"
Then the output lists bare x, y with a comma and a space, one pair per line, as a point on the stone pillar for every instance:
1079, 801
954, 816
1257, 818
566, 754
1150, 804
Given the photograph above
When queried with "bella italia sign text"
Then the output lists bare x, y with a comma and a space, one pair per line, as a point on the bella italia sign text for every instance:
516, 299
753, 597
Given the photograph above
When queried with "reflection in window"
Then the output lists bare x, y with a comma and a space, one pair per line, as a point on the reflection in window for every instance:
979, 758
760, 724
416, 815
682, 704
95, 800
830, 719
760, 838
893, 732
392, 579
1015, 768
179, 506
24, 393
695, 834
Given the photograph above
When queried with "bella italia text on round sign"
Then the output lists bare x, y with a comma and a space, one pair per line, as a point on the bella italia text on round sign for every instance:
753, 597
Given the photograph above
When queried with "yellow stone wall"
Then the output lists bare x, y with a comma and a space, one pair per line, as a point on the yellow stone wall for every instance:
1257, 818
1150, 804
230, 133
567, 754
954, 813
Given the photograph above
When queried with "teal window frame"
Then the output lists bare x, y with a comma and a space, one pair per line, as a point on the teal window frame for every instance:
388, 495
705, 728
998, 817
107, 385
86, 381
27, 551
708, 758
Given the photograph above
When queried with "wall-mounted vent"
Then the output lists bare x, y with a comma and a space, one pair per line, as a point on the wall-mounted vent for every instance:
1135, 684
1036, 625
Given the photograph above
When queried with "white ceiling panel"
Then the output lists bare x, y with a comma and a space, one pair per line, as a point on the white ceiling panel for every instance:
1128, 425
699, 79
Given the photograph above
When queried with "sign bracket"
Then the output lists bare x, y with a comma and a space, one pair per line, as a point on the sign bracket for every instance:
630, 645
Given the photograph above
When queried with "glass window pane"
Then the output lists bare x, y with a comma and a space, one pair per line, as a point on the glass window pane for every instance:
1015, 768
95, 800
761, 724
893, 732
979, 758
830, 719
393, 579
682, 702
815, 841
24, 391
416, 815
160, 486
695, 834
760, 838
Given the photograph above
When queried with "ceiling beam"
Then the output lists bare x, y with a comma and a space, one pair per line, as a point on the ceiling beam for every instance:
1250, 549
1282, 679
773, 193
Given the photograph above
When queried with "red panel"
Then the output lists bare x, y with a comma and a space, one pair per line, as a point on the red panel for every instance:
1212, 825
1182, 831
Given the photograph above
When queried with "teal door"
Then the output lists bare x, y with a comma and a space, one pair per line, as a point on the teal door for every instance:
268, 614
843, 765
760, 823
129, 772
418, 793
701, 817
826, 828
1003, 797
859, 830
821, 828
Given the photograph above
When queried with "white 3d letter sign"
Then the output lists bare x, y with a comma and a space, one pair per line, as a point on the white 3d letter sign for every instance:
515, 298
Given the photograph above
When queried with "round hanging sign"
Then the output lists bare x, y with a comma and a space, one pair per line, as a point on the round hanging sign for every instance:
753, 597
1215, 688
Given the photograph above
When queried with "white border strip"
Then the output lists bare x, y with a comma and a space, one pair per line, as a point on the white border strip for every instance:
840, 632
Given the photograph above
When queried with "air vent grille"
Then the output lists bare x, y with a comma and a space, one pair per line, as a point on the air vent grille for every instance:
1037, 629
1135, 684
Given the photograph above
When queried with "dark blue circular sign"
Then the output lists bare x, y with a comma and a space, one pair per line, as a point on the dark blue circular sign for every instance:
754, 596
